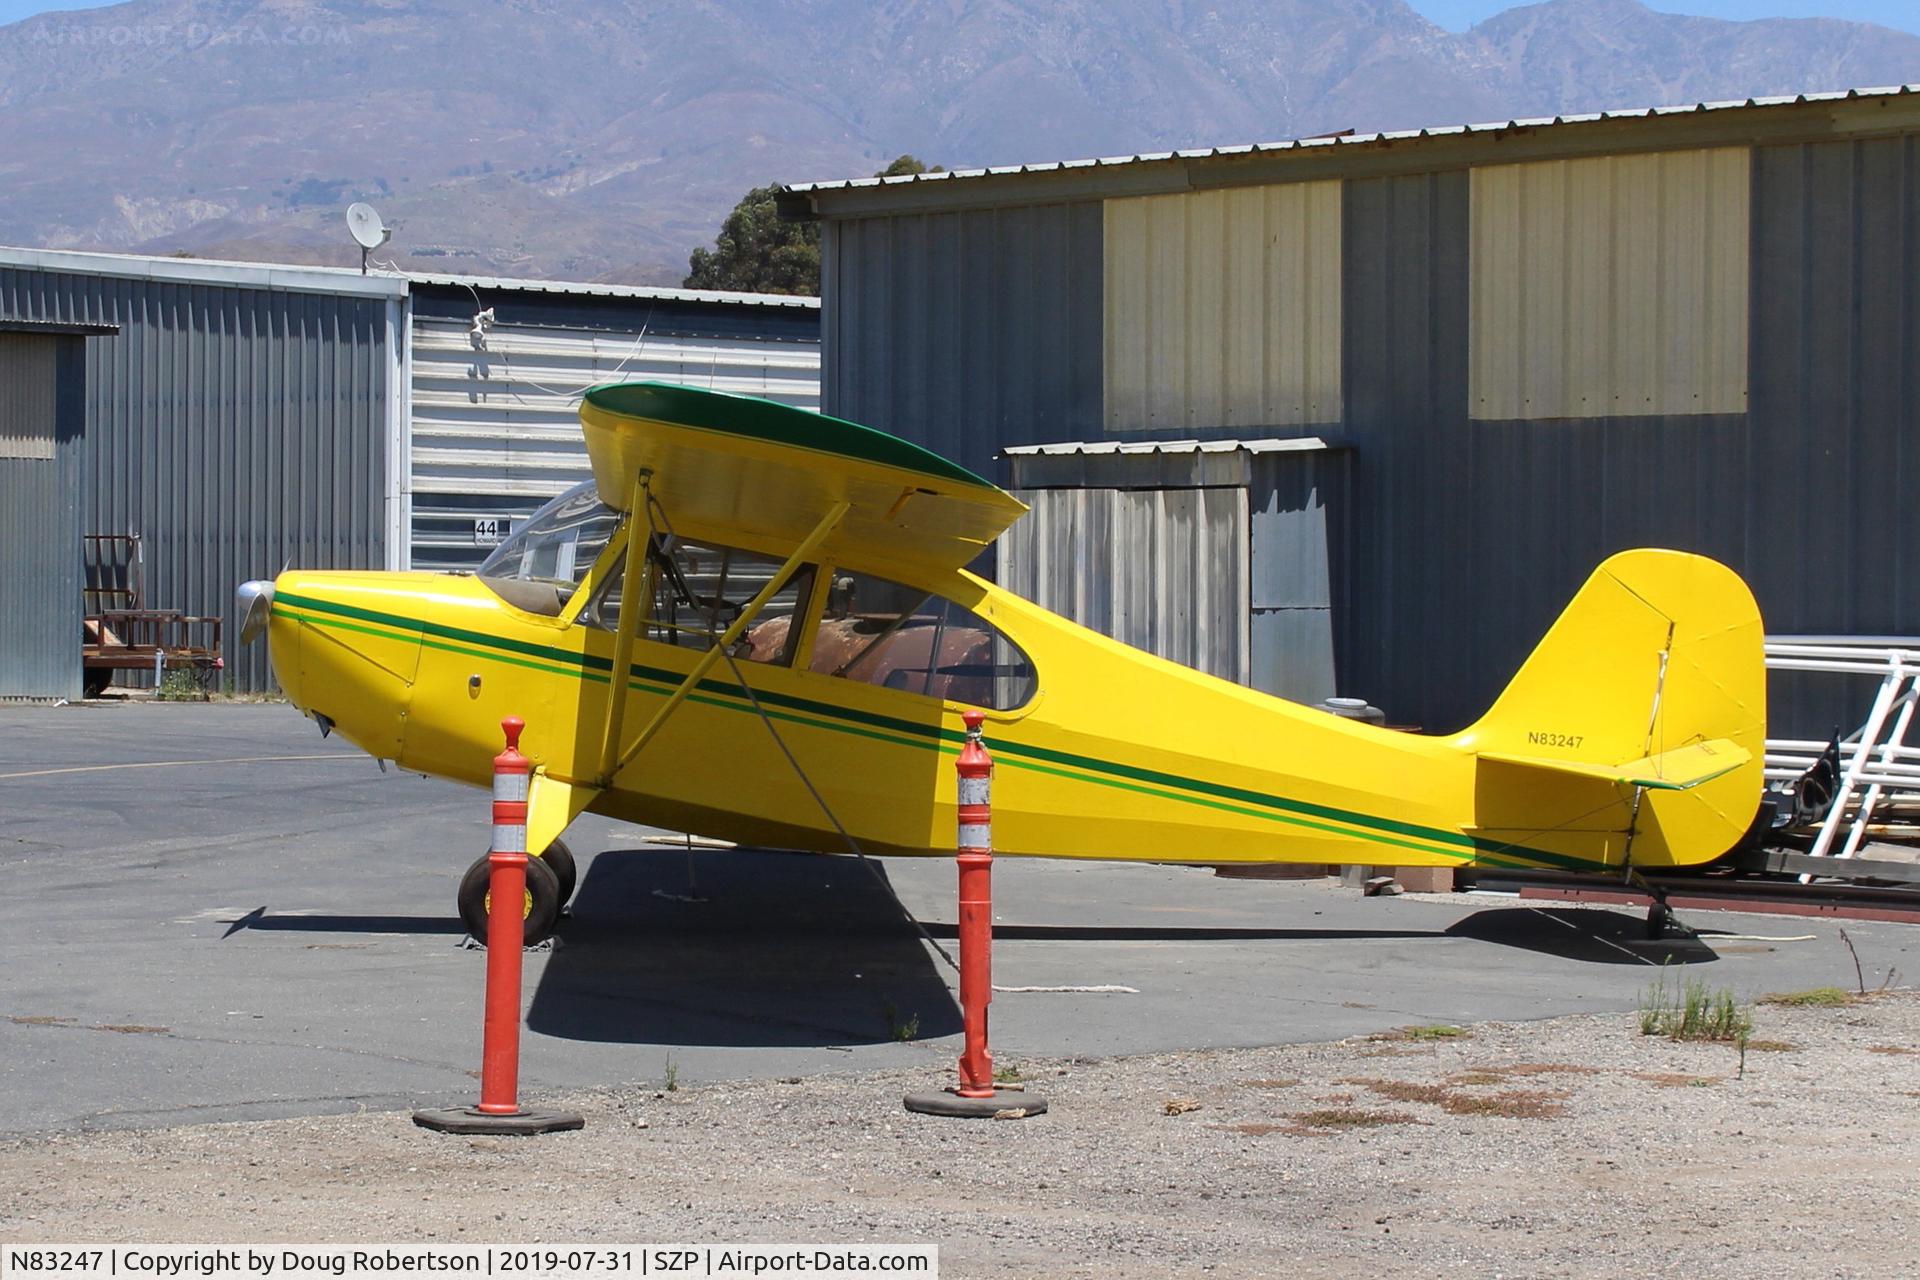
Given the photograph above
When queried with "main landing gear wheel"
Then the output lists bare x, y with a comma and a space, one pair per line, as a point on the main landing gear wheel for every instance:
540, 905
1659, 919
559, 860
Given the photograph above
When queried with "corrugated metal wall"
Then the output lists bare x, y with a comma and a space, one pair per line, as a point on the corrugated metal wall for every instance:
495, 429
1610, 287
1223, 309
1164, 570
966, 331
40, 457
1468, 536
1832, 457
1297, 526
238, 429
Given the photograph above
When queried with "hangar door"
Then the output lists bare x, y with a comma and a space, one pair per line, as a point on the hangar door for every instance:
1221, 555
1164, 570
40, 607
495, 429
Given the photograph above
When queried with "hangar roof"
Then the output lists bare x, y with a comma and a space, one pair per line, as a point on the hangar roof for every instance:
348, 280
1798, 117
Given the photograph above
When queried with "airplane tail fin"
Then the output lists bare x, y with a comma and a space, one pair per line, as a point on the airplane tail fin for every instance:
1635, 730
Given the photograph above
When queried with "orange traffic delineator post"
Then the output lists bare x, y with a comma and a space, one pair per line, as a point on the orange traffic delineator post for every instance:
976, 1096
499, 1108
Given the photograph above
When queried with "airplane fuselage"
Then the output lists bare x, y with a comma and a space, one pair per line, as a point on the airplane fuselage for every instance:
1115, 754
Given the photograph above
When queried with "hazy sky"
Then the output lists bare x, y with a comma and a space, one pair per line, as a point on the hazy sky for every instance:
1455, 14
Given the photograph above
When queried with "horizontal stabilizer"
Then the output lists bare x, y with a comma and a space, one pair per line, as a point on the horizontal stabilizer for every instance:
1681, 769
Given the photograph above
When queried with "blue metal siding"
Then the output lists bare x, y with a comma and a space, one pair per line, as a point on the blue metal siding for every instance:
1835, 547
1470, 536
1297, 506
966, 331
239, 429
40, 574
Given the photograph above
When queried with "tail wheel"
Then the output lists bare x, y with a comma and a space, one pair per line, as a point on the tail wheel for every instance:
559, 860
539, 904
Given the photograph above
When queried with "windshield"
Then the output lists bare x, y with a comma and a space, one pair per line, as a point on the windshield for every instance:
538, 567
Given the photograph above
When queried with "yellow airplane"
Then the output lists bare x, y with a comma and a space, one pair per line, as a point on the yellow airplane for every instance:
804, 639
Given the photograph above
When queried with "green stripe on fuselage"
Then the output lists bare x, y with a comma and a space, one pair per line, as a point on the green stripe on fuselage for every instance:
823, 715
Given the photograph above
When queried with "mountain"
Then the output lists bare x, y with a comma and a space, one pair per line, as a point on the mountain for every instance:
603, 139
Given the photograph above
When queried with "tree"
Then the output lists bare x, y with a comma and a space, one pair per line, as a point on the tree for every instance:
756, 252
905, 165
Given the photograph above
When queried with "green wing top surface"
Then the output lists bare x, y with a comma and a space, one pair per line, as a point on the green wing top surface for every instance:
733, 461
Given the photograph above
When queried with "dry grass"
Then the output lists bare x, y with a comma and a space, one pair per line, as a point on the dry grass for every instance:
1257, 1128
1270, 1084
1673, 1079
36, 1020
1404, 1090
133, 1029
1336, 1118
1891, 1049
1514, 1104
1179, 1106
1772, 1046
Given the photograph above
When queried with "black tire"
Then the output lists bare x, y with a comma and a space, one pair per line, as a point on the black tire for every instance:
1659, 916
559, 860
542, 902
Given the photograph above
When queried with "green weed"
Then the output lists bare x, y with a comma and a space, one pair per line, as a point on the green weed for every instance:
180, 686
1692, 1011
1817, 997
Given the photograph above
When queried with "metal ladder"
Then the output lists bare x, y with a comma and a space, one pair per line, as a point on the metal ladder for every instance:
1878, 767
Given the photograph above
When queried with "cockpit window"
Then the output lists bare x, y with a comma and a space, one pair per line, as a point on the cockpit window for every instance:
880, 632
538, 567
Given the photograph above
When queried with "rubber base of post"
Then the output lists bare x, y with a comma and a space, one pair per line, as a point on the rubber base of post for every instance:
466, 1120
1005, 1104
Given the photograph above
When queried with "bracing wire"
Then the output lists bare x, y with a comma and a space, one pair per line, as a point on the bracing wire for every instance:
879, 876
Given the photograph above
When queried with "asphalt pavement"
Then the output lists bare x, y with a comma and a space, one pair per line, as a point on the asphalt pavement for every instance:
209, 913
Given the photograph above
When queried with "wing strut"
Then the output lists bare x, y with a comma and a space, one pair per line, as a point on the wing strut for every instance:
717, 650
632, 605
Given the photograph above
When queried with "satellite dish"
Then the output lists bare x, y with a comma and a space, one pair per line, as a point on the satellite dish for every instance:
364, 225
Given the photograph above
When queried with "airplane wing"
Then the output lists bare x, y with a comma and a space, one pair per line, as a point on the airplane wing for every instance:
740, 462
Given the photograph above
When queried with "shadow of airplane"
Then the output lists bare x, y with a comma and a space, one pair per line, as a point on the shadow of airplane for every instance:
1589, 935
739, 948
755, 948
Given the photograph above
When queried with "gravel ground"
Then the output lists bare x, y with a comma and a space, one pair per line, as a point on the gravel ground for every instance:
1569, 1147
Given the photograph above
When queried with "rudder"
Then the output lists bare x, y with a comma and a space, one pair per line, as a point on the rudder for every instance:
1658, 658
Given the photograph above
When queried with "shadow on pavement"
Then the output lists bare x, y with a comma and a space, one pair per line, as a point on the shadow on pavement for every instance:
262, 920
775, 949
1588, 935
1178, 933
